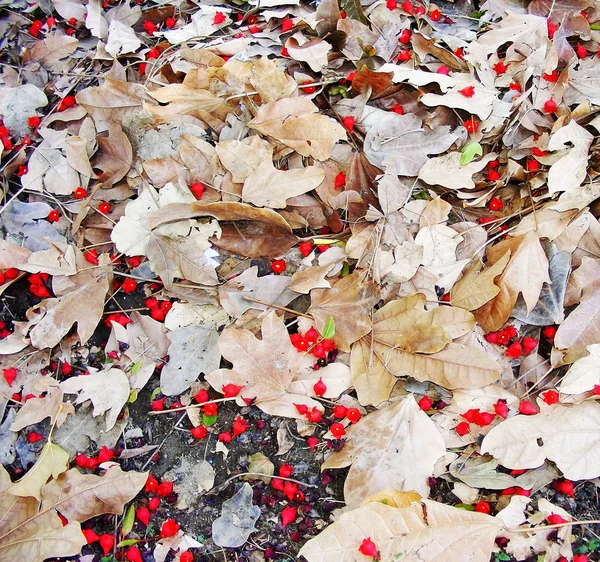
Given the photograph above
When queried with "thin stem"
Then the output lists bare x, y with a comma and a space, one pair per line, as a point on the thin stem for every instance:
557, 526
192, 406
268, 476
250, 299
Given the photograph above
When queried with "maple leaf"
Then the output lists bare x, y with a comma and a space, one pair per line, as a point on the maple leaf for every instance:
264, 368
424, 531
395, 447
37, 409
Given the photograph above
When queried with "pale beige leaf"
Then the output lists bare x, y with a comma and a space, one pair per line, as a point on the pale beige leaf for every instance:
349, 302
264, 368
476, 287
296, 123
424, 532
584, 374
241, 158
12, 255
481, 103
371, 380
52, 49
568, 173
313, 52
586, 275
52, 461
270, 81
260, 464
114, 156
77, 156
37, 409
310, 278
85, 306
395, 447
568, 435
26, 533
267, 186
581, 328
108, 390
80, 497
447, 170
181, 99
516, 28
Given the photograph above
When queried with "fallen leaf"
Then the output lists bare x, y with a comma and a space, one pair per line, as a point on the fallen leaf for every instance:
237, 520
190, 480
447, 170
260, 464
18, 104
395, 447
114, 156
312, 51
584, 374
270, 81
121, 39
568, 435
37, 409
241, 158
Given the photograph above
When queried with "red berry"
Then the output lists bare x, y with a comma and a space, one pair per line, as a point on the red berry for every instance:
555, 519
34, 437
105, 454
199, 432
369, 548
529, 344
169, 528
164, 489
549, 332
170, 23
581, 51
495, 204
286, 470
319, 388
53, 216
537, 152
340, 181
225, 437
302, 409
550, 397
278, 266
306, 247
337, 430
405, 36
398, 109
425, 403
566, 487
186, 556
219, 18
10, 375
312, 442
133, 554
11, 273
319, 352
231, 390
153, 504
471, 125
552, 77
407, 7
288, 515
349, 122
240, 425
391, 4
34, 121
310, 89
482, 507
153, 53
484, 418
501, 409
403, 56
286, 25
104, 207
532, 165
352, 415
500, 67
462, 428
459, 53
157, 405
315, 415
106, 543
468, 91
550, 106
80, 193
435, 15
129, 285
514, 350
311, 336
552, 28
90, 535
143, 514
527, 408
515, 86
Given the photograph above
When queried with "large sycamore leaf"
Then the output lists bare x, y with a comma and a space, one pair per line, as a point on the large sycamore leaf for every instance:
83, 306
52, 461
349, 302
267, 186
409, 341
568, 435
265, 368
395, 447
297, 123
80, 497
423, 532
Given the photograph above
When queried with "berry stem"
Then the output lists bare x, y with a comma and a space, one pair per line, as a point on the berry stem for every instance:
191, 406
550, 527
250, 299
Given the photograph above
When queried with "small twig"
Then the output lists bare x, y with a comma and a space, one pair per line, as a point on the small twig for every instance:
285, 309
551, 527
191, 406
224, 484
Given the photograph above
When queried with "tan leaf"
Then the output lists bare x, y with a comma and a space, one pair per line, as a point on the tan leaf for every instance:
264, 368
476, 287
52, 49
85, 306
77, 156
581, 328
311, 278
296, 123
37, 409
313, 51
241, 158
349, 302
429, 531
12, 255
52, 461
270, 81
370, 377
267, 186
29, 534
114, 156
568, 435
80, 497
108, 390
447, 170
395, 447
584, 374
586, 275
261, 464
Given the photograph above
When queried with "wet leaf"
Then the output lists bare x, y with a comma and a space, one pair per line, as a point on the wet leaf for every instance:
237, 520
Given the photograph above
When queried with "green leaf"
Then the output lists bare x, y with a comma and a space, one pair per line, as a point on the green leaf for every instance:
469, 152
465, 506
108, 558
127, 542
133, 395
502, 556
353, 10
345, 270
329, 329
209, 420
136, 367
155, 393
128, 521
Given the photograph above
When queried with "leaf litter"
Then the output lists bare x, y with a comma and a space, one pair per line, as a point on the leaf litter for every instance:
377, 221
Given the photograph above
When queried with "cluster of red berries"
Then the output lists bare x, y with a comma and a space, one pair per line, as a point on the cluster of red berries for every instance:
4, 331
119, 318
474, 415
493, 174
66, 103
312, 342
8, 275
37, 285
508, 337
104, 455
315, 415
5, 137
158, 309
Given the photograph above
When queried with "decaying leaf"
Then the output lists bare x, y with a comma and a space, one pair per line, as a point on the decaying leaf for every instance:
237, 520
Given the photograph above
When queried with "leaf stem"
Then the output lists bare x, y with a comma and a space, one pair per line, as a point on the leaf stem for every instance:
250, 299
551, 527
191, 406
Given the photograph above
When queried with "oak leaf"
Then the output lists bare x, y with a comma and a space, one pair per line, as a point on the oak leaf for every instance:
395, 447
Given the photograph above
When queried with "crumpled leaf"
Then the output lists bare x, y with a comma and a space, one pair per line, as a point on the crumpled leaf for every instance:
108, 390
427, 530
193, 350
349, 302
313, 51
395, 447
448, 171
584, 374
568, 435
121, 39
237, 520
18, 104
37, 409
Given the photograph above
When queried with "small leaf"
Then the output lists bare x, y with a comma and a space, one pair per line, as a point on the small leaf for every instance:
329, 329
128, 521
136, 367
469, 152
127, 542
209, 420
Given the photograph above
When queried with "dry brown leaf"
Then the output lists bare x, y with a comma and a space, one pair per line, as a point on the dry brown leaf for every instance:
83, 306
447, 170
476, 286
37, 409
241, 158
568, 435
584, 374
79, 497
311, 278
266, 186
313, 51
270, 81
296, 123
114, 156
254, 239
427, 531
586, 275
264, 368
349, 302
395, 447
